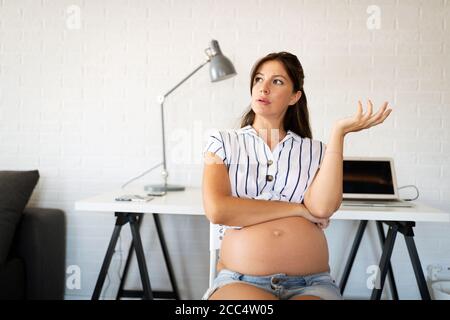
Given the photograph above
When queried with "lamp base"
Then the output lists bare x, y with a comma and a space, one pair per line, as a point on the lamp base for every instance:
163, 188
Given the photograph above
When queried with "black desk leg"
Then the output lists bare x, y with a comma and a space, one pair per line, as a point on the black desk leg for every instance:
121, 291
166, 256
120, 221
140, 258
353, 251
415, 261
384, 263
390, 272
123, 218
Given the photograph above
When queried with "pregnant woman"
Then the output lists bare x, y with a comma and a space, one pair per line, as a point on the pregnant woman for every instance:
272, 189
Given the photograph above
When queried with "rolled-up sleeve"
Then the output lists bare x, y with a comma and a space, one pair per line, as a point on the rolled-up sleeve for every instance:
215, 145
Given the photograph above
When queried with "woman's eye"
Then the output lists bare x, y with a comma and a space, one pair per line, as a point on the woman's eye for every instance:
257, 79
278, 81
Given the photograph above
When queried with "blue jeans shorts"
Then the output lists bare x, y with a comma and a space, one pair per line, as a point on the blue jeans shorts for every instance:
282, 286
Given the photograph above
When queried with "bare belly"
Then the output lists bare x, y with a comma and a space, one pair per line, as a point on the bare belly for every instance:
292, 245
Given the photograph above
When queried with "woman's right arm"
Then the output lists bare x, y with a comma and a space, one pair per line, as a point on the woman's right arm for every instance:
223, 208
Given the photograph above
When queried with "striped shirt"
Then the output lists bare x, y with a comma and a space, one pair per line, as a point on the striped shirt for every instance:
256, 172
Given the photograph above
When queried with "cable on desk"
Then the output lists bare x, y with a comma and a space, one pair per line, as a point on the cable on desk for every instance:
141, 175
410, 185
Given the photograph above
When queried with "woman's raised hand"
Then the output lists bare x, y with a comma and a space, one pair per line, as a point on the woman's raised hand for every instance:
361, 121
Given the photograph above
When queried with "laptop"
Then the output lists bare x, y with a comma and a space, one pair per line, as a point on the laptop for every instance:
371, 182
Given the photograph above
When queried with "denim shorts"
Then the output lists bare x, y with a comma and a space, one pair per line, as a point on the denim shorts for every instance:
282, 286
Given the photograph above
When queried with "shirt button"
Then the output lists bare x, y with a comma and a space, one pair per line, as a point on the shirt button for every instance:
269, 162
269, 178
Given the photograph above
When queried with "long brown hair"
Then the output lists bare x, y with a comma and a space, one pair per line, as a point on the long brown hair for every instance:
296, 118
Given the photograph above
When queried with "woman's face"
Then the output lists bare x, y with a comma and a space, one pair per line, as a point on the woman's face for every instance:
272, 91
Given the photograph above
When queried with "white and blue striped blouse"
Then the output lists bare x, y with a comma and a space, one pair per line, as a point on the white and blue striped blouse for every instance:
256, 172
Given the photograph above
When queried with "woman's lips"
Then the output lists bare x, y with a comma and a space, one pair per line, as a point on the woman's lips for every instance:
263, 101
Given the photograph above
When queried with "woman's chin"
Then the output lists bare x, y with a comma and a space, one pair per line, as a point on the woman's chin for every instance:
264, 111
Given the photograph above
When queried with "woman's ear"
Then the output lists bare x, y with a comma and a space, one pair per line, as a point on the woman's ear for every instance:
295, 98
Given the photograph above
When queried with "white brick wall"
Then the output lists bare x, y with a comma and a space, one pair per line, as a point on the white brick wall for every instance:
80, 105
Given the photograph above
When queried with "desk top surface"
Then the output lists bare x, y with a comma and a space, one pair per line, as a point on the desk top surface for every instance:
190, 202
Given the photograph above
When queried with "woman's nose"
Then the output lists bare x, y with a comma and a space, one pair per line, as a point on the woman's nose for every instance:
264, 89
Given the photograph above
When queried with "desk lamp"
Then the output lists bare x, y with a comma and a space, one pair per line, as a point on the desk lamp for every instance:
221, 68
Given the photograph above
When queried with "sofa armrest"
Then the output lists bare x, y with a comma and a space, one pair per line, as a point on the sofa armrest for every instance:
41, 243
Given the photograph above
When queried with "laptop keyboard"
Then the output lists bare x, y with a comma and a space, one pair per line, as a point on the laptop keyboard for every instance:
377, 203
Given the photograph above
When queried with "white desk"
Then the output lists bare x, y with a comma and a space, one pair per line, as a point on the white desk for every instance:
186, 202
177, 202
189, 202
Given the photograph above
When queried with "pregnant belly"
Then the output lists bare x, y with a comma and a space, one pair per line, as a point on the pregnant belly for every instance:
292, 245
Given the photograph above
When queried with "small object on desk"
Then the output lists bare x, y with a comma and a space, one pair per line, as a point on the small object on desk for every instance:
134, 197
156, 193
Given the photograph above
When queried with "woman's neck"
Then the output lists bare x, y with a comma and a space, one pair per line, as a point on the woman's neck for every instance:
269, 127
270, 132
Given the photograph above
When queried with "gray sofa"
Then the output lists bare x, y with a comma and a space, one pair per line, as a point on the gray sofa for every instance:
35, 267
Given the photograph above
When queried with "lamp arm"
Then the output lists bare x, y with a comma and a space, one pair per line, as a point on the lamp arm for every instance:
187, 77
161, 101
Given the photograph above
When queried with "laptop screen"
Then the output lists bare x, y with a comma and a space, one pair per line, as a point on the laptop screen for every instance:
368, 177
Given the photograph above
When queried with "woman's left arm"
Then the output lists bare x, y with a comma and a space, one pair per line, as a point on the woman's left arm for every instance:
324, 196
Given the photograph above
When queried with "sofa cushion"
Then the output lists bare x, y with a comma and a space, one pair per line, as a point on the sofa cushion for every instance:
12, 280
16, 188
